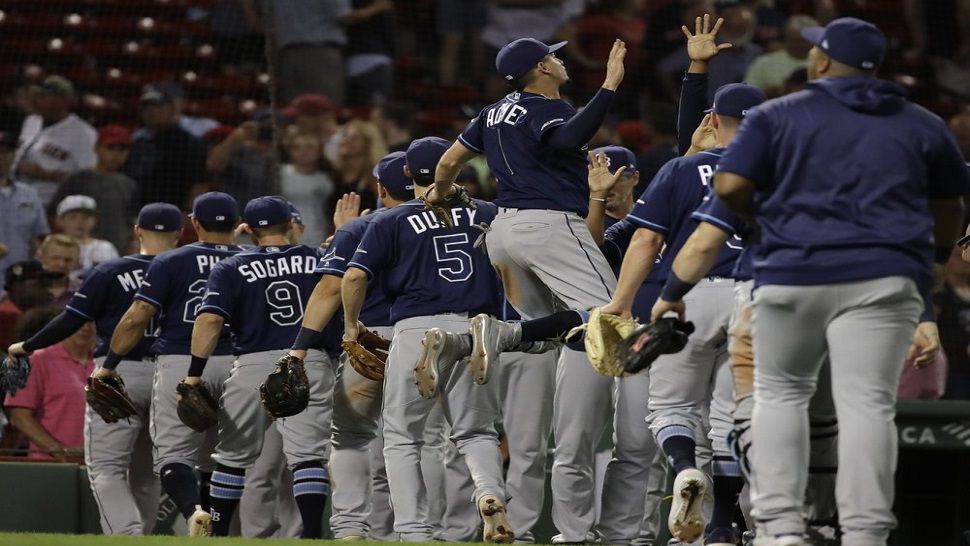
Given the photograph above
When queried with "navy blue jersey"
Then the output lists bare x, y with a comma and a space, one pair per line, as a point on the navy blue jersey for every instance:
843, 172
376, 310
667, 204
175, 285
106, 295
530, 174
427, 268
713, 211
262, 294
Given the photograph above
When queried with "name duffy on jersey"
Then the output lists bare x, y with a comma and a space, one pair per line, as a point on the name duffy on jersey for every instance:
425, 220
277, 267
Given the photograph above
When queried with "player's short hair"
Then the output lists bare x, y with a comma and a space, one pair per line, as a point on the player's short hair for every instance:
403, 195
225, 226
59, 239
275, 229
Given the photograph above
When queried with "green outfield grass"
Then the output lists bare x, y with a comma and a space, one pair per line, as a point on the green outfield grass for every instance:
48, 539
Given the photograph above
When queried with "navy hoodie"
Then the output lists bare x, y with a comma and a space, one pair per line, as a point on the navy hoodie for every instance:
843, 172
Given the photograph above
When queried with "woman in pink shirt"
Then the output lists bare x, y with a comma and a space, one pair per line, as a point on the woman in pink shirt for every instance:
49, 411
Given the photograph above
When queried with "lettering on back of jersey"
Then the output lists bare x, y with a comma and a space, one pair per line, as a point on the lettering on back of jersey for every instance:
706, 172
506, 112
280, 266
131, 280
206, 261
424, 220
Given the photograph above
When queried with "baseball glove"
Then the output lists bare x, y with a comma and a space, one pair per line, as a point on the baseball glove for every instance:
442, 209
664, 337
604, 333
108, 398
368, 355
197, 408
13, 375
286, 391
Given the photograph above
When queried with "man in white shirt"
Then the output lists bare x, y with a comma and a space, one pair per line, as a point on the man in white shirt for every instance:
53, 142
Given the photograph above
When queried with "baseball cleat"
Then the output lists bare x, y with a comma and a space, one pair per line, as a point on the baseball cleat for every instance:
497, 528
686, 521
722, 536
200, 524
439, 349
352, 538
490, 337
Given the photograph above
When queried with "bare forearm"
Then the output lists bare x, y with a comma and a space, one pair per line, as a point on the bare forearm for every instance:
205, 334
595, 220
449, 166
353, 290
131, 327
220, 154
637, 264
699, 253
323, 304
23, 420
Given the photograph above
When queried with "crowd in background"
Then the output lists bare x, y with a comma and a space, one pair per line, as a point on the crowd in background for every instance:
345, 95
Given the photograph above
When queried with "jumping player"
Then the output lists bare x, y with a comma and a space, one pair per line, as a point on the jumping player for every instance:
119, 455
261, 294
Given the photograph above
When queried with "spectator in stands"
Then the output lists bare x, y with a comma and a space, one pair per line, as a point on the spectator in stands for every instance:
22, 218
396, 122
195, 126
663, 35
770, 70
927, 382
113, 191
370, 52
243, 163
309, 47
661, 121
77, 216
27, 286
49, 410
167, 163
303, 182
361, 147
314, 115
730, 65
53, 142
59, 253
960, 126
460, 23
11, 113
238, 33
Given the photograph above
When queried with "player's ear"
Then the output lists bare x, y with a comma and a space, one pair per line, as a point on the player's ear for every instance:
715, 122
407, 171
382, 191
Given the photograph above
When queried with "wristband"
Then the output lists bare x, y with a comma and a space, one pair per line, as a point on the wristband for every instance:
304, 339
197, 366
929, 313
111, 360
941, 254
598, 199
675, 289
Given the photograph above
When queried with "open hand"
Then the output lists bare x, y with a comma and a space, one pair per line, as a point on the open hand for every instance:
926, 345
701, 46
614, 66
703, 137
348, 208
600, 180
662, 307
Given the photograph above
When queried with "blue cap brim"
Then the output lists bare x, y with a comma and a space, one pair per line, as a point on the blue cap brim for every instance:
813, 34
556, 47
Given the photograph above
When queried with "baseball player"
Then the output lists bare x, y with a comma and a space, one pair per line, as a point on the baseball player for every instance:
436, 278
170, 294
680, 382
356, 400
865, 202
119, 455
273, 281
539, 243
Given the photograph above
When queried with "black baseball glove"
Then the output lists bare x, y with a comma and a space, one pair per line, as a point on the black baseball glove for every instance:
197, 408
286, 391
108, 398
13, 374
646, 343
442, 209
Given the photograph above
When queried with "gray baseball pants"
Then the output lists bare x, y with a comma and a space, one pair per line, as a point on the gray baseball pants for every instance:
356, 418
119, 458
268, 508
243, 421
549, 262
865, 327
472, 411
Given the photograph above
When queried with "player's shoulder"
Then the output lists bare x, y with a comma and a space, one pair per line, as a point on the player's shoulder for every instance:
399, 212
124, 263
357, 226
485, 206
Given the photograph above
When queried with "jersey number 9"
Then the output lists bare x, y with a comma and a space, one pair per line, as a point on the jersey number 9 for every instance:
284, 298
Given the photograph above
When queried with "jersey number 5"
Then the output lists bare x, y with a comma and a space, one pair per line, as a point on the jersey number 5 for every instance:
455, 264
284, 298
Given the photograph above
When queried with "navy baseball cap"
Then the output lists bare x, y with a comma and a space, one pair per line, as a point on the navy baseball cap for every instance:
160, 217
268, 210
389, 171
850, 41
295, 213
424, 153
618, 156
735, 99
517, 58
215, 206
